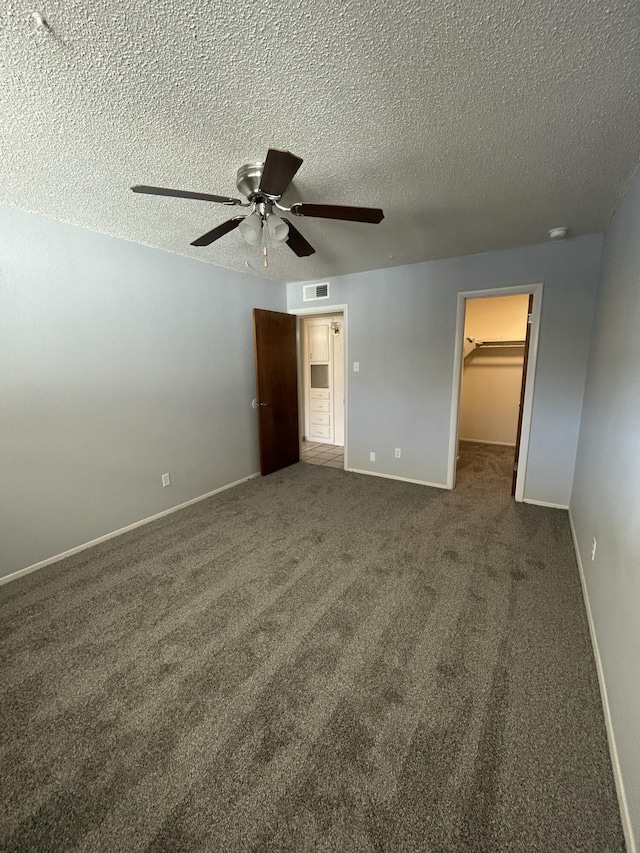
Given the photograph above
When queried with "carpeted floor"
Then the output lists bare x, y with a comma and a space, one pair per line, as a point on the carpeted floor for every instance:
312, 661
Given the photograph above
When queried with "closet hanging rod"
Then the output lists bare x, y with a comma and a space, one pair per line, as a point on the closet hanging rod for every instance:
496, 344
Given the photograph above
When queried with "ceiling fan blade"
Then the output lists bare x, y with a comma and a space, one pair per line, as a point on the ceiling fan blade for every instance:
279, 169
339, 211
297, 242
217, 232
221, 199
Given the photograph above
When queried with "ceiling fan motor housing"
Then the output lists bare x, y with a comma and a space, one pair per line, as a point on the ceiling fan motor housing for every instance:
248, 179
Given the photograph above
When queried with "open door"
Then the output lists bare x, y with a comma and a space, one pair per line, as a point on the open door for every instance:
523, 385
274, 336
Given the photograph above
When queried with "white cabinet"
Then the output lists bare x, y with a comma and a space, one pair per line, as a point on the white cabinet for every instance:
319, 350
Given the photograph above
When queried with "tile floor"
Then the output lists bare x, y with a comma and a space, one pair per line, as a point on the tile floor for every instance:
329, 455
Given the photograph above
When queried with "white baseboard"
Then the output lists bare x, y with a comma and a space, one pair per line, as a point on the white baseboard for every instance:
15, 575
393, 477
544, 503
613, 750
484, 441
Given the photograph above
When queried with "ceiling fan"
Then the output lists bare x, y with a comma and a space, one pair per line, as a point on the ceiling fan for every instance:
263, 184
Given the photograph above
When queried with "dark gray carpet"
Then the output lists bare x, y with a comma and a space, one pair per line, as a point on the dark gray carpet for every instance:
313, 661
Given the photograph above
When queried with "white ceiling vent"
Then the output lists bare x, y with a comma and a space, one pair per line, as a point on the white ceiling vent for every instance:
315, 291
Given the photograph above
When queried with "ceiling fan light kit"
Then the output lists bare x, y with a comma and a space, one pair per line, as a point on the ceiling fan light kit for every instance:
277, 229
263, 185
251, 228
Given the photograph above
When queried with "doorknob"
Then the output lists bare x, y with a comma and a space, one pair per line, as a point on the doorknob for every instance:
255, 404
263, 404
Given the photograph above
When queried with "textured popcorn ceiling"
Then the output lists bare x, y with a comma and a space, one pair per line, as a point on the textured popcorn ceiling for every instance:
474, 124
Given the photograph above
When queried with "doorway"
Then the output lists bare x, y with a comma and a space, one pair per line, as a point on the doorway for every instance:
322, 389
322, 385
496, 346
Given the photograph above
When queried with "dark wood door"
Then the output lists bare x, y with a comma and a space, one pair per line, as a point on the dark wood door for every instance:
274, 336
523, 384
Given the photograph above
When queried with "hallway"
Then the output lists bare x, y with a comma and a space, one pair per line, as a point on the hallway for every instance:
329, 455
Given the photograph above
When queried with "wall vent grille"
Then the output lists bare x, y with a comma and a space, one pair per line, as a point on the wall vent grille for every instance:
311, 292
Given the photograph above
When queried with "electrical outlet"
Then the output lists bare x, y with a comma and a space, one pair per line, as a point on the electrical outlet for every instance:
593, 548
372, 456
398, 453
166, 480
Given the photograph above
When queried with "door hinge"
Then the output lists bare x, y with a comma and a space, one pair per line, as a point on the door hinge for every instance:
529, 319
515, 466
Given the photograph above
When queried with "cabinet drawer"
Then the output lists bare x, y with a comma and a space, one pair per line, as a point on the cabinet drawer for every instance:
320, 418
318, 431
319, 405
318, 394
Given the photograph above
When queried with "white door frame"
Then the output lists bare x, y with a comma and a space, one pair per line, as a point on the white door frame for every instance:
536, 290
317, 312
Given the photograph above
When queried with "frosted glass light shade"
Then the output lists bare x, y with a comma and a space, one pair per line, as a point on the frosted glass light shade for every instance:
251, 228
278, 230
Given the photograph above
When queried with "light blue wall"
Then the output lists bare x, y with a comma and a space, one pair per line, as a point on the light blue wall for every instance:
121, 362
605, 503
402, 330
118, 363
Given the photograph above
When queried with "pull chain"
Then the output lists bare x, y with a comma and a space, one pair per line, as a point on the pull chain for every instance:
265, 251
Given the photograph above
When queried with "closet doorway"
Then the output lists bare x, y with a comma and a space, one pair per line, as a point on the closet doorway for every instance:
322, 388
495, 387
